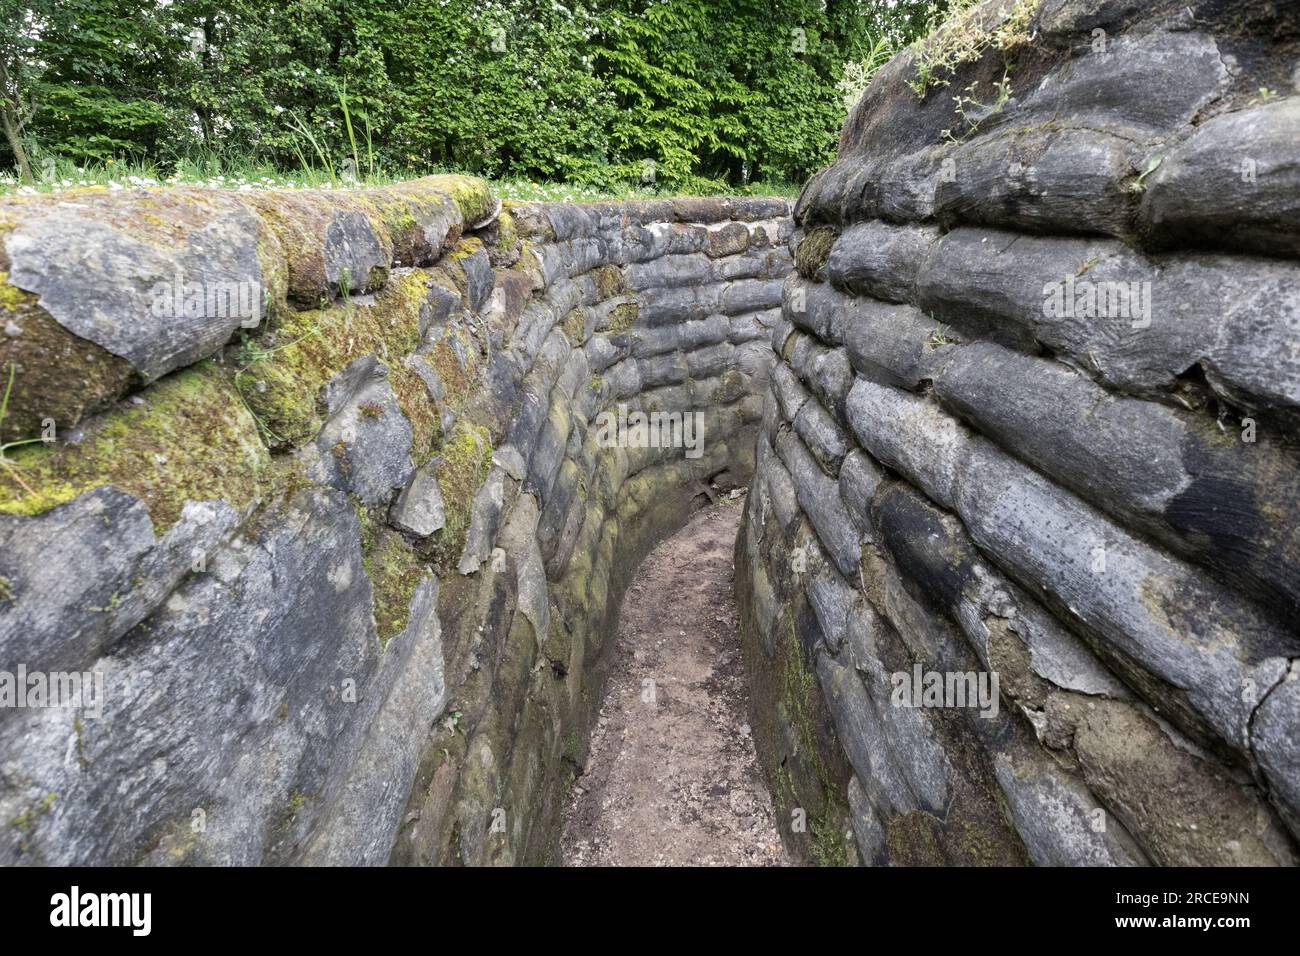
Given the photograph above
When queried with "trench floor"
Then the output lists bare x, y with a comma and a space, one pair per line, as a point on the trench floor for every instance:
672, 778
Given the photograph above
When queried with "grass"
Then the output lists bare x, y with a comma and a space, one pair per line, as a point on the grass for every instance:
940, 336
63, 175
4, 409
1152, 165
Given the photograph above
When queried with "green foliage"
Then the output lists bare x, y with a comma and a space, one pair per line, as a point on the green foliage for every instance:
92, 70
696, 95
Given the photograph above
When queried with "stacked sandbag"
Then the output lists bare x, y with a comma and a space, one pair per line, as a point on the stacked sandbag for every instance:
1034, 417
308, 503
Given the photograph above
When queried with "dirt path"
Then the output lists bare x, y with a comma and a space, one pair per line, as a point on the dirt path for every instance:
672, 778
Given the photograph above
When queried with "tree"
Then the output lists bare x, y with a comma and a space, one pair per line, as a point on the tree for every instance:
21, 24
707, 93
105, 78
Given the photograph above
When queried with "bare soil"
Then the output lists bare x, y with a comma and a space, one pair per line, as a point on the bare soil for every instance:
672, 778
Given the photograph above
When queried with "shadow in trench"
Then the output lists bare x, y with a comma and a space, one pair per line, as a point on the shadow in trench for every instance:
672, 777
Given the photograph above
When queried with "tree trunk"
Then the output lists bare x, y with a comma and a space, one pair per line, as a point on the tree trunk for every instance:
13, 124
10, 124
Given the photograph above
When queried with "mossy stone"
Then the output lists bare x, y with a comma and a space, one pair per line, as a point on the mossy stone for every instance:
190, 439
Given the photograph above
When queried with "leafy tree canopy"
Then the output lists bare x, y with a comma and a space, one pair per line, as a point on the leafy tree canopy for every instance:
702, 93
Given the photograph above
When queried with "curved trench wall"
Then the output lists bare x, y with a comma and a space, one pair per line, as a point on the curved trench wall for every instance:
324, 517
969, 466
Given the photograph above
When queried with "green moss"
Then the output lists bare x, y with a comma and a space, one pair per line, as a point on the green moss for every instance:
473, 196
114, 601
395, 570
420, 411
283, 372
80, 730
507, 234
799, 689
457, 368
912, 839
571, 746
623, 316
452, 264
799, 695
813, 251
12, 298
192, 439
731, 386
828, 848
976, 846
609, 281
26, 820
370, 528
394, 212
574, 325
6, 590
465, 459
59, 375
465, 248
300, 221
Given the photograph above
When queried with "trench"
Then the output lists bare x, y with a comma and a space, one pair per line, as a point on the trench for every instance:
672, 776
384, 523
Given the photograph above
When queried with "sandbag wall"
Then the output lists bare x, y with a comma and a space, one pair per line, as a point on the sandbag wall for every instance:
306, 537
1034, 416
653, 307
